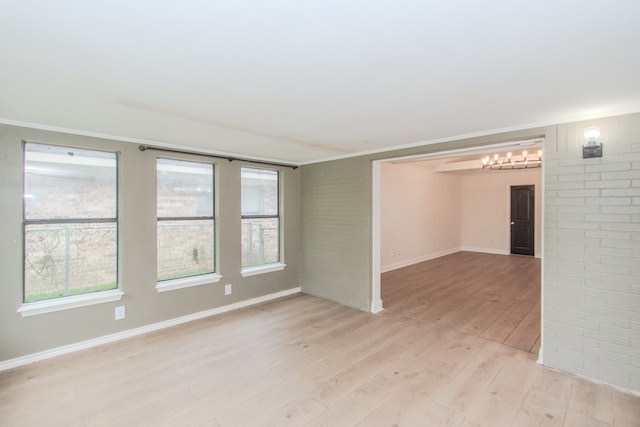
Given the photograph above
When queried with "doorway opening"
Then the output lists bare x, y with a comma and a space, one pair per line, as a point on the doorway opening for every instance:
456, 161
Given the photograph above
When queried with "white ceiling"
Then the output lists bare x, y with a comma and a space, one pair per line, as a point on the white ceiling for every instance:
301, 81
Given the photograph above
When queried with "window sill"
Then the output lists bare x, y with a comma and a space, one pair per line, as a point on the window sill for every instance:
66, 303
254, 271
187, 282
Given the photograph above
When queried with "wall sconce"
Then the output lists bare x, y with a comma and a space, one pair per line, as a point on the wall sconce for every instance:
591, 148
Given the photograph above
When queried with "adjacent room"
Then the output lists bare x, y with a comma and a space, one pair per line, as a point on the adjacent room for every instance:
319, 213
432, 208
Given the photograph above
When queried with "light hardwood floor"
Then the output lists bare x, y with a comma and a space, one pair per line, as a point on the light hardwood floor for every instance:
452, 348
492, 296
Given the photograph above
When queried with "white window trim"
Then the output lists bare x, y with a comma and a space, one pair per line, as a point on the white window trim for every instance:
69, 302
267, 268
187, 282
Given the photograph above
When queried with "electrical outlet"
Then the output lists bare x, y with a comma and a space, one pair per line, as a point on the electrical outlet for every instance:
120, 313
227, 289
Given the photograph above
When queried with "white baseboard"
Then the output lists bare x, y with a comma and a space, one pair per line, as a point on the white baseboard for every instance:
486, 250
492, 251
47, 354
540, 360
412, 261
376, 306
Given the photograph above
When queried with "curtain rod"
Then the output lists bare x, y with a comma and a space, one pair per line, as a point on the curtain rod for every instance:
231, 159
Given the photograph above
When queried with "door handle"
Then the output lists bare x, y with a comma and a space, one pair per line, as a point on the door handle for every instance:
512, 222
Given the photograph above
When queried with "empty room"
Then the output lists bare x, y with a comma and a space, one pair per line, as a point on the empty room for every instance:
319, 213
455, 226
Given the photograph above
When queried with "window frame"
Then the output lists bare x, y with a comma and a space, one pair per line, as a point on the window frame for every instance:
163, 285
279, 265
65, 302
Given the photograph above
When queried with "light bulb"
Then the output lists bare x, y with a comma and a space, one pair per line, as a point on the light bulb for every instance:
591, 135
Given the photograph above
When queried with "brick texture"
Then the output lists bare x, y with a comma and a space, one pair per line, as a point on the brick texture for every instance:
591, 278
335, 231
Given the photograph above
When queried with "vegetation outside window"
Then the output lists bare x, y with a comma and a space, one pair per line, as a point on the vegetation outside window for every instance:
70, 223
260, 217
185, 210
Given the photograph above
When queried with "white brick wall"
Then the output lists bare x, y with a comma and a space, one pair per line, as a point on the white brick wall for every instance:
592, 252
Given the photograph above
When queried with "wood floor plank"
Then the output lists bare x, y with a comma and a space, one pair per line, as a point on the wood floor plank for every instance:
351, 346
577, 419
434, 414
476, 377
219, 399
525, 335
591, 400
519, 366
485, 318
403, 407
550, 386
335, 388
298, 413
551, 414
496, 407
460, 349
507, 321
265, 405
351, 410
626, 409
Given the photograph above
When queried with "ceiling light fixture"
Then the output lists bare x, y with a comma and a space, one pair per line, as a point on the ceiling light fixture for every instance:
509, 161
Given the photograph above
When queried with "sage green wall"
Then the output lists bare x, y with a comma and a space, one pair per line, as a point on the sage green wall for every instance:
336, 225
137, 249
336, 236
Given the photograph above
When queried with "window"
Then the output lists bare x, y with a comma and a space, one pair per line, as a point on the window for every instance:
70, 223
260, 218
185, 209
